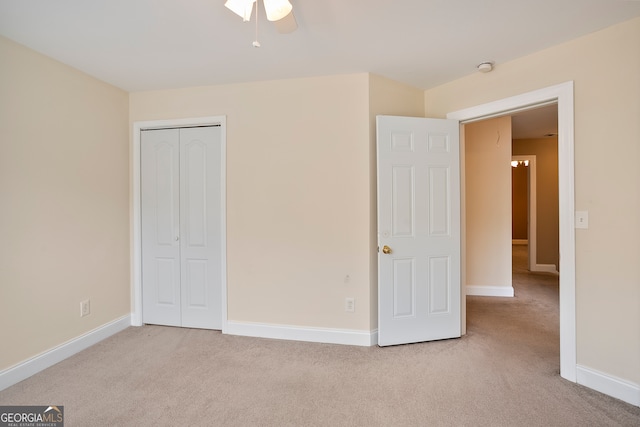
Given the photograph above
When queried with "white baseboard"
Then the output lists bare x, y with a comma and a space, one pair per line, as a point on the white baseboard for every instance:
490, 291
609, 385
545, 268
519, 241
29, 367
297, 333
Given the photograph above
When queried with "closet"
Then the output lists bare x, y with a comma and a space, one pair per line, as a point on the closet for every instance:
181, 211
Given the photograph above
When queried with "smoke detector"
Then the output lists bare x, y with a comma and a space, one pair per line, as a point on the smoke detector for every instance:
485, 67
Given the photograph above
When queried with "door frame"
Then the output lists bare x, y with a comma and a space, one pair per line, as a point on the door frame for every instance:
136, 223
562, 95
531, 210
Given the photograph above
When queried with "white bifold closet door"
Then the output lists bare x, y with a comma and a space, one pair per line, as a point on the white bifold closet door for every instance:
181, 227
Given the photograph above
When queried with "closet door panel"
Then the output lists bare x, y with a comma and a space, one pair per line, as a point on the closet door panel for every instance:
200, 227
160, 227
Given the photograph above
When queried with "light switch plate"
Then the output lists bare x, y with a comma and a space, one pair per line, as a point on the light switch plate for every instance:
582, 219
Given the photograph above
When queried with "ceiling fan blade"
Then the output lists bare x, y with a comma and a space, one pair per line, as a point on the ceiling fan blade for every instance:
287, 24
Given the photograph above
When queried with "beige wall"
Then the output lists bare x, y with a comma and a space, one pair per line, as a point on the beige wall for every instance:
604, 67
298, 194
64, 189
547, 235
301, 191
386, 97
488, 202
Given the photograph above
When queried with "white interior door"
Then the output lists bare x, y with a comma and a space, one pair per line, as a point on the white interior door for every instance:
182, 227
418, 229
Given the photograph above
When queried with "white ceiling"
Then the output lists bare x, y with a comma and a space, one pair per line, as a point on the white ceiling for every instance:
535, 123
158, 44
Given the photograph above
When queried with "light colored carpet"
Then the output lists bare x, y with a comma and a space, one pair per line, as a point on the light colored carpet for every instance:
504, 372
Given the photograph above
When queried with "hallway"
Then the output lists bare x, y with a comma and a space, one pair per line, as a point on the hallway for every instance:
531, 285
525, 327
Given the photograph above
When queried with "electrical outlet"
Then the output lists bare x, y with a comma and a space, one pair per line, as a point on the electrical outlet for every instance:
85, 308
350, 305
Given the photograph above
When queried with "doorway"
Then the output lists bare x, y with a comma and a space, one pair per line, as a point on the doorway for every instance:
524, 205
137, 263
180, 182
562, 95
535, 149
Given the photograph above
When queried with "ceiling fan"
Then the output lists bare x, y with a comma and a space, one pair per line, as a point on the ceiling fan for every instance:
280, 12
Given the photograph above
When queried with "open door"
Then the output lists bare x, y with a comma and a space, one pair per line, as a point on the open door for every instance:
418, 229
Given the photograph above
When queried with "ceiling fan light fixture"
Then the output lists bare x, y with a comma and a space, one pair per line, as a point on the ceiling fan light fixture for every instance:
277, 9
242, 8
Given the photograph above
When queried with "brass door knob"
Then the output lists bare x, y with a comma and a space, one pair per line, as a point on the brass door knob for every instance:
386, 249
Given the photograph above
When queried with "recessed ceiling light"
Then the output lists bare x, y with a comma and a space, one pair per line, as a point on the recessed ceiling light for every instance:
485, 67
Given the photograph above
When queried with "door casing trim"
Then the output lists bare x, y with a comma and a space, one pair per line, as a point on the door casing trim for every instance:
562, 94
